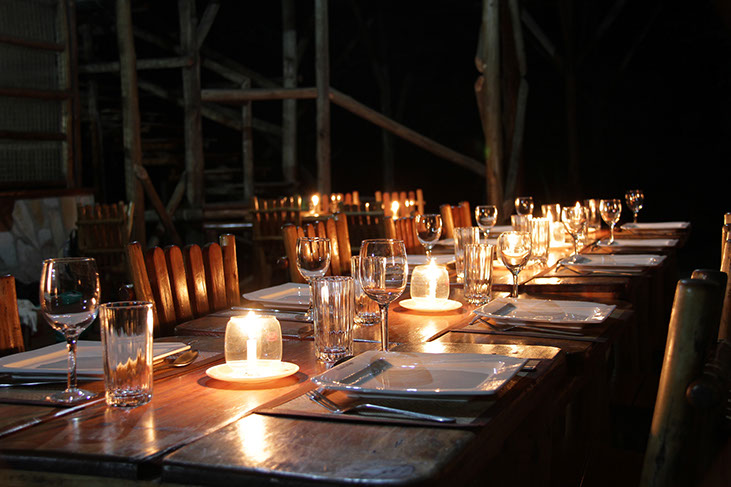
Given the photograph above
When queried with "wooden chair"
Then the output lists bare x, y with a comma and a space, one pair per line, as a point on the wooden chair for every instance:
268, 216
103, 232
413, 201
365, 222
335, 228
11, 336
404, 229
724, 331
455, 217
185, 283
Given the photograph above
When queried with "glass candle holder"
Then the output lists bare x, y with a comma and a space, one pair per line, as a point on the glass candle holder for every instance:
251, 342
430, 282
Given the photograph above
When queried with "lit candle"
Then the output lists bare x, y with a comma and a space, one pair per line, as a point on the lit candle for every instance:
430, 282
252, 341
314, 208
394, 209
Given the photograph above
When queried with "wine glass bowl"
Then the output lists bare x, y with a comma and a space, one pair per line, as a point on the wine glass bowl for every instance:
514, 249
428, 230
575, 219
383, 275
486, 217
610, 210
635, 199
69, 299
524, 205
313, 260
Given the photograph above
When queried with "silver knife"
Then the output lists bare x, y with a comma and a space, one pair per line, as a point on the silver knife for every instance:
372, 370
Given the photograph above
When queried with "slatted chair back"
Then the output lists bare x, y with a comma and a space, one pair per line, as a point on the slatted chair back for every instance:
405, 230
455, 216
185, 284
364, 221
11, 335
268, 216
409, 201
334, 228
677, 427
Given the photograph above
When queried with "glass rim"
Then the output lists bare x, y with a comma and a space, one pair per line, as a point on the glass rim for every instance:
127, 305
380, 240
64, 260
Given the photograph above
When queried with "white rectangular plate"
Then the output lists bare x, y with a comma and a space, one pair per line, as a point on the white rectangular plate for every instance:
614, 260
425, 374
545, 311
418, 259
641, 242
53, 359
657, 226
287, 295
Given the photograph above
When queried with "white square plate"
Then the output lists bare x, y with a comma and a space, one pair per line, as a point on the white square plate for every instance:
545, 311
423, 374
53, 359
287, 295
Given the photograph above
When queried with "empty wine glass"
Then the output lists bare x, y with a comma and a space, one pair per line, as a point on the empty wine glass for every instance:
486, 217
313, 260
69, 298
383, 275
514, 249
575, 218
428, 230
610, 210
524, 205
635, 199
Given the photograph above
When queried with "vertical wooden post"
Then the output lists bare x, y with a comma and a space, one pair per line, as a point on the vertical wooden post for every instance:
192, 103
491, 100
247, 145
96, 142
322, 76
567, 10
130, 116
289, 107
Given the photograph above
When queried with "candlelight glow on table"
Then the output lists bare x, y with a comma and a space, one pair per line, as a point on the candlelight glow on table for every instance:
430, 289
253, 348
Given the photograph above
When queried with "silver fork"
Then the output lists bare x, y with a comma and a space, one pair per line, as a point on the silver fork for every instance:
326, 403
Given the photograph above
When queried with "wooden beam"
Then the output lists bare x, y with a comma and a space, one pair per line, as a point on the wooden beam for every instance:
32, 44
130, 116
289, 78
406, 133
144, 178
192, 104
322, 82
242, 96
247, 147
209, 15
142, 64
492, 100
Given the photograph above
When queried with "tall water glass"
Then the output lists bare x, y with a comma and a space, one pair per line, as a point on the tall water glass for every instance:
313, 260
333, 300
610, 210
514, 249
553, 213
463, 236
593, 218
127, 342
486, 217
366, 310
69, 298
524, 205
635, 199
574, 219
478, 259
521, 223
383, 275
428, 230
540, 231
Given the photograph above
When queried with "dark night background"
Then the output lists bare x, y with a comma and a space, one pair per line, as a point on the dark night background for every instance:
654, 101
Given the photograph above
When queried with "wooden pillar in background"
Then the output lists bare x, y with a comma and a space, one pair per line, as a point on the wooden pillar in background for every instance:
289, 107
192, 103
247, 145
130, 116
322, 76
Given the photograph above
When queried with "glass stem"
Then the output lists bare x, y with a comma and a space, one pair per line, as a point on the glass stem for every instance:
384, 326
71, 378
611, 233
514, 294
576, 245
310, 309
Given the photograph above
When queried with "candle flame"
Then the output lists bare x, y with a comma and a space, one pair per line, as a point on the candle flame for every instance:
394, 209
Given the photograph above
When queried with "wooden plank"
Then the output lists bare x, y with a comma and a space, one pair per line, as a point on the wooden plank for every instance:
196, 274
215, 281
239, 96
178, 283
230, 269
162, 291
11, 336
142, 64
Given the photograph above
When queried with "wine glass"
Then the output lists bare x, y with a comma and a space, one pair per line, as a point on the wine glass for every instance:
635, 198
383, 275
313, 260
514, 249
524, 205
486, 217
428, 230
575, 218
69, 298
610, 210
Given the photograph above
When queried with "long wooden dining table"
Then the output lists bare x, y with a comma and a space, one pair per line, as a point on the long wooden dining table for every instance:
540, 428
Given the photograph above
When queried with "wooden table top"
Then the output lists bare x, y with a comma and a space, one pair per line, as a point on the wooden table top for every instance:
202, 431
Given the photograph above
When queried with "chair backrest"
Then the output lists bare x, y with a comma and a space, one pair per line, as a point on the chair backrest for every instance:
335, 228
11, 336
405, 229
455, 216
670, 457
365, 221
269, 215
185, 283
409, 201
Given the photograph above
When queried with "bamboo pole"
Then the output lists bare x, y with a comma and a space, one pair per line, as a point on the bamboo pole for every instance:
289, 106
142, 64
192, 100
238, 96
322, 77
209, 15
130, 116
